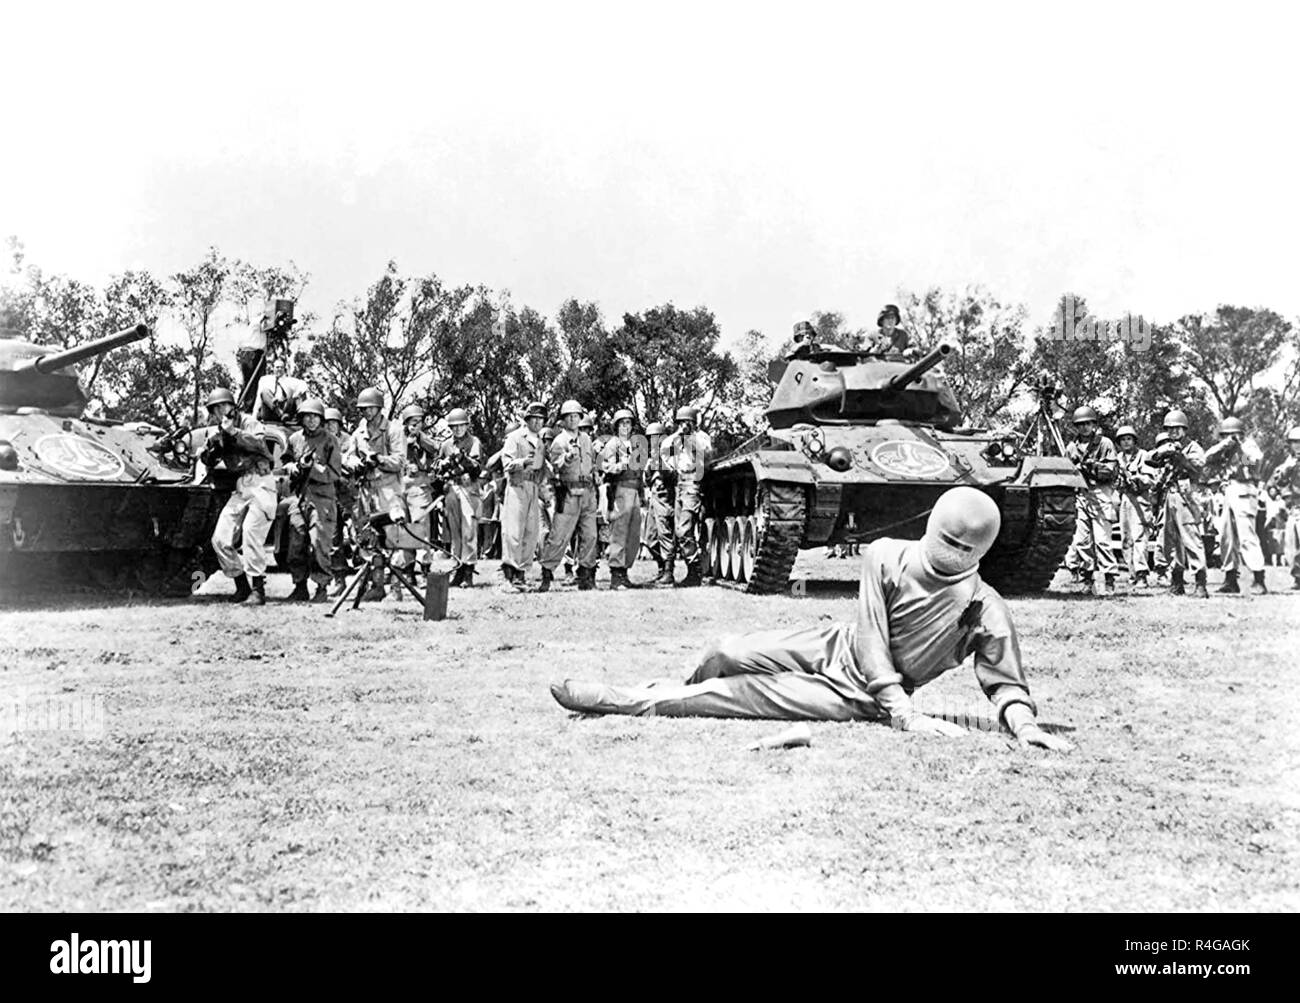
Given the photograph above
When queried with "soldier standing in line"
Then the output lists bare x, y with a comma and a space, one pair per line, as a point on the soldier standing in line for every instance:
315, 465
380, 452
686, 452
523, 458
546, 490
420, 473
657, 534
1236, 460
588, 425
572, 458
462, 457
1285, 481
1135, 480
235, 451
1094, 455
345, 500
622, 460
1181, 461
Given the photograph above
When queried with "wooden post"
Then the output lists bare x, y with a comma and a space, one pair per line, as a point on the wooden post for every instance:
436, 587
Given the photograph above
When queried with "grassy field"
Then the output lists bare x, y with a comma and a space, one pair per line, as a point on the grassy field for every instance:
274, 759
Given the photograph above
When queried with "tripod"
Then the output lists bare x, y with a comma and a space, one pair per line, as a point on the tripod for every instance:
1043, 429
378, 560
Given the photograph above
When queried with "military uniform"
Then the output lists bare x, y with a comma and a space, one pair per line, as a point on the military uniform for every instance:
1095, 506
1183, 515
462, 502
623, 462
657, 534
1236, 467
313, 510
240, 452
419, 479
1285, 481
686, 456
523, 458
572, 458
1137, 518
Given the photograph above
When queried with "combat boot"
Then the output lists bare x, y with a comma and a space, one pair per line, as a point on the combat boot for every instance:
1257, 586
1229, 586
1085, 579
242, 591
569, 577
1199, 592
1140, 580
375, 593
466, 576
586, 579
257, 596
321, 594
1162, 578
1176, 587
666, 574
339, 587
548, 576
618, 580
1103, 586
299, 593
692, 579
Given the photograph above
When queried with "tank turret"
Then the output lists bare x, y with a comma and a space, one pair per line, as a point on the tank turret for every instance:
835, 386
34, 376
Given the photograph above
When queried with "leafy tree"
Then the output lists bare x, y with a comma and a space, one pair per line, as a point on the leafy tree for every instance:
146, 380
673, 360
594, 372
1229, 350
197, 296
1088, 372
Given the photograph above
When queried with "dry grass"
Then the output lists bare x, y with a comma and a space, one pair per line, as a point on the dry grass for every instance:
273, 759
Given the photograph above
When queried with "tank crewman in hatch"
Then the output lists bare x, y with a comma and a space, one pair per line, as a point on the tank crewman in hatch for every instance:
891, 339
1094, 455
315, 466
236, 450
922, 610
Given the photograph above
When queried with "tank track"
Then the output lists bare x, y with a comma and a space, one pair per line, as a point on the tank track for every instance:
782, 512
1030, 566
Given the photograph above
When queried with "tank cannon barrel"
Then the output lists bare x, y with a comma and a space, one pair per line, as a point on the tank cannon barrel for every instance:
79, 353
922, 366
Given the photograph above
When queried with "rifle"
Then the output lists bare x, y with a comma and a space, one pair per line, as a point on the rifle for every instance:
298, 482
170, 442
1171, 464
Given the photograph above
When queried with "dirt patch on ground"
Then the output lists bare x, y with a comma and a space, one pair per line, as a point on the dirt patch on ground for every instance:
273, 759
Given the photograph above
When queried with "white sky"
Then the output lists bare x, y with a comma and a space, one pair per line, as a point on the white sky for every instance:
765, 160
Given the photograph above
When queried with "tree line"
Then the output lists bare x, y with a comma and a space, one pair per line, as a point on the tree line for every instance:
425, 341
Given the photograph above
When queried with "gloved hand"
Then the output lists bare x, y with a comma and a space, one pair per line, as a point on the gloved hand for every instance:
1020, 719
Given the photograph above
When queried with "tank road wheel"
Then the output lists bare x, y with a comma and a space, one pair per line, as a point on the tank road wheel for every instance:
748, 546
724, 549
1028, 564
779, 521
735, 541
708, 530
715, 549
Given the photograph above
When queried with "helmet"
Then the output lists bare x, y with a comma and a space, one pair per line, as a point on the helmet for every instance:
1176, 419
313, 405
687, 414
1229, 426
370, 397
332, 414
962, 527
889, 311
587, 422
511, 426
571, 407
1083, 414
656, 428
1124, 430
1162, 438
623, 414
548, 434
411, 411
220, 395
1293, 434
458, 416
536, 409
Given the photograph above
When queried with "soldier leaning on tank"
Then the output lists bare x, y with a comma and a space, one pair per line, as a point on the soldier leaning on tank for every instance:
1235, 462
1181, 461
345, 499
379, 448
657, 525
1285, 481
890, 339
686, 452
622, 461
1135, 480
236, 451
315, 466
573, 459
1095, 505
462, 458
523, 459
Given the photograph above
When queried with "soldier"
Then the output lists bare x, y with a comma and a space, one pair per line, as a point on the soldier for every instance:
345, 500
462, 457
890, 339
523, 458
278, 393
922, 610
1181, 461
379, 451
622, 460
1235, 461
1094, 455
1285, 481
603, 502
421, 452
236, 449
315, 466
546, 490
686, 452
572, 458
1135, 479
657, 534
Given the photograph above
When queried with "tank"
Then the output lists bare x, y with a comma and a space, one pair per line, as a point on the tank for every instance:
83, 501
861, 446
